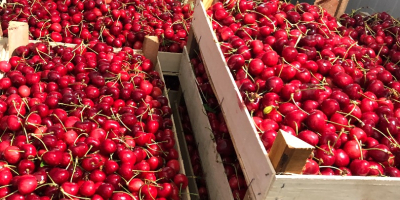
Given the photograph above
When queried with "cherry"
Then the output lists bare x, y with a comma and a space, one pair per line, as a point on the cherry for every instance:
325, 155
87, 188
135, 184
12, 154
311, 168
360, 167
316, 121
309, 137
6, 176
379, 152
105, 190
26, 184
70, 188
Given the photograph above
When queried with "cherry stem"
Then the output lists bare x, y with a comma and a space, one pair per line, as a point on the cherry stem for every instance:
60, 122
359, 144
33, 135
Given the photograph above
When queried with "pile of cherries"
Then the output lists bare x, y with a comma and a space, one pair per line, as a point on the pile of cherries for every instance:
220, 131
334, 87
85, 123
118, 23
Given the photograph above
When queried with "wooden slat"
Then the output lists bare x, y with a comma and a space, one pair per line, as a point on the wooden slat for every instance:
289, 154
150, 47
310, 187
1, 32
191, 43
170, 62
4, 54
252, 155
207, 3
342, 8
18, 35
331, 6
214, 172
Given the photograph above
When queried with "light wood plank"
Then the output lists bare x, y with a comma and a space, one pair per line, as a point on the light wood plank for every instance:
170, 62
207, 3
341, 8
191, 43
306, 187
4, 53
289, 154
18, 35
217, 182
331, 6
252, 155
150, 47
1, 32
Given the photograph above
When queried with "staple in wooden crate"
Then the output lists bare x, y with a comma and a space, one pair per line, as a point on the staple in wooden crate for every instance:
289, 154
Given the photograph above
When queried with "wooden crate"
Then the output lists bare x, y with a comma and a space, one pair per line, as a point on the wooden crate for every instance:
217, 182
264, 182
5, 44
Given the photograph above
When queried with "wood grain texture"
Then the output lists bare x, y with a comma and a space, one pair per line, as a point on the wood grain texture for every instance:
341, 8
289, 154
331, 6
310, 187
170, 62
150, 47
252, 155
18, 35
207, 3
217, 182
1, 32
